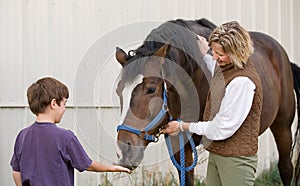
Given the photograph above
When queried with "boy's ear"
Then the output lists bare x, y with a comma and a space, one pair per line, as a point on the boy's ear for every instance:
53, 103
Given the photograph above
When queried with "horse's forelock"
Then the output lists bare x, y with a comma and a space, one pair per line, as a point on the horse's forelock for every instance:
132, 69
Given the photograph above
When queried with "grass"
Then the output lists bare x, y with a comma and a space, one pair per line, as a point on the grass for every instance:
199, 182
268, 177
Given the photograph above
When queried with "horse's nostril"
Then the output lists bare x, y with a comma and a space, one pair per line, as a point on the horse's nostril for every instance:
128, 143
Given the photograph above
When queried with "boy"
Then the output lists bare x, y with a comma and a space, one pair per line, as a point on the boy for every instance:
45, 154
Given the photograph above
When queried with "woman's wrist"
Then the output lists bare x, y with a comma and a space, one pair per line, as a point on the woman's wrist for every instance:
181, 125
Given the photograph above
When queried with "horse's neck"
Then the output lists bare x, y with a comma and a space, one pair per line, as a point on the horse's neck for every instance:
188, 103
201, 79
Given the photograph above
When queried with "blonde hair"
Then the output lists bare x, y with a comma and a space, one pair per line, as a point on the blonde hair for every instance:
235, 40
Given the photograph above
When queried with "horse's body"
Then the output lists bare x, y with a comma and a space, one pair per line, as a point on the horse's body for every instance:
270, 59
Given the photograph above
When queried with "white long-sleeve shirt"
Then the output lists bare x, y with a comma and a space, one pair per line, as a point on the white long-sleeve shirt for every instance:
234, 108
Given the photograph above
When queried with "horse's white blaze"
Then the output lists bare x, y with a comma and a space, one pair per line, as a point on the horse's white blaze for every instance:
127, 92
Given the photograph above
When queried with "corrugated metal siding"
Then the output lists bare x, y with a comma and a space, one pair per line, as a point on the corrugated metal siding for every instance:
63, 38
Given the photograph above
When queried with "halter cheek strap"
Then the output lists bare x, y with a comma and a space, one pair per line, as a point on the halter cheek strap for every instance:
144, 132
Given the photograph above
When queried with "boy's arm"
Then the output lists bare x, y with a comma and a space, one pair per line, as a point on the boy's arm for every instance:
17, 178
99, 167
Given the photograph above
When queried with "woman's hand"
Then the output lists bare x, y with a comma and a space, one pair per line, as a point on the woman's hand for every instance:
203, 45
172, 128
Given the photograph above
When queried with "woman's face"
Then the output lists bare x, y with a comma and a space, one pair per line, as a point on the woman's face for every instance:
219, 55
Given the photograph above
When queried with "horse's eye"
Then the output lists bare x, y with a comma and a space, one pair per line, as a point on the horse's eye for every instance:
150, 90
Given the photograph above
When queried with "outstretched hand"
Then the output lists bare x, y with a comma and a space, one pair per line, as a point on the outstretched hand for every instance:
100, 167
118, 168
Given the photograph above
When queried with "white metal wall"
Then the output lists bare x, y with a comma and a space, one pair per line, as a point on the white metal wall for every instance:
52, 38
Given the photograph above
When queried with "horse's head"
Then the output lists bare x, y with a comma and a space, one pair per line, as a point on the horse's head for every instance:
159, 79
143, 105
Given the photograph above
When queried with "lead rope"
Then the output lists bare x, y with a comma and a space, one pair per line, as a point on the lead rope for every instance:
181, 166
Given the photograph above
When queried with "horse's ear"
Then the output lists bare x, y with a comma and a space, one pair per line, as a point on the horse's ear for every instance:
121, 56
163, 51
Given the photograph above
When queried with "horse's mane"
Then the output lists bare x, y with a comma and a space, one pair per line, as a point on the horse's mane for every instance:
206, 23
178, 33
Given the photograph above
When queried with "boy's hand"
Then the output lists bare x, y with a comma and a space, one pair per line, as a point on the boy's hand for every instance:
100, 167
122, 169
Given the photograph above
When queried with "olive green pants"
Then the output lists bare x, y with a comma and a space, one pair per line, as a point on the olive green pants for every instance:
231, 171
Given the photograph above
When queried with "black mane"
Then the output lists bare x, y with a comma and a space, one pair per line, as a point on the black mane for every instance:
182, 38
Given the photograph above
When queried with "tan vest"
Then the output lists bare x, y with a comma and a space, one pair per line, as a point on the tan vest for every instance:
244, 141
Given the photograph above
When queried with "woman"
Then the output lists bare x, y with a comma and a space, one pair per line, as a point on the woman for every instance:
231, 118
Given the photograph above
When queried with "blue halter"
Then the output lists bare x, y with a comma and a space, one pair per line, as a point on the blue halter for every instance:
154, 138
144, 132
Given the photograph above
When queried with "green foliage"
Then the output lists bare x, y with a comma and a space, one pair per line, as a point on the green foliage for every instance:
156, 178
269, 177
199, 182
106, 182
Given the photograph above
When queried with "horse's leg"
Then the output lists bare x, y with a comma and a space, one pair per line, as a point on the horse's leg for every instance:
283, 137
188, 161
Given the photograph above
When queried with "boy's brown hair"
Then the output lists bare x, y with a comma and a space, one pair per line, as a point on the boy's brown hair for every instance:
41, 93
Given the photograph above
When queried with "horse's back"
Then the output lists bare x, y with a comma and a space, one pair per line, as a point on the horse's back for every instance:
274, 68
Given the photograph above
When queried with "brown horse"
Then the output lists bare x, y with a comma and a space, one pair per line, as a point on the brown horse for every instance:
168, 63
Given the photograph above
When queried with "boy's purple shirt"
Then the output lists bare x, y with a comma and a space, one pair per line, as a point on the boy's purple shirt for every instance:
47, 155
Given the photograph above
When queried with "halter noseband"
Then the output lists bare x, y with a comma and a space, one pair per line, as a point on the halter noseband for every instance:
144, 132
